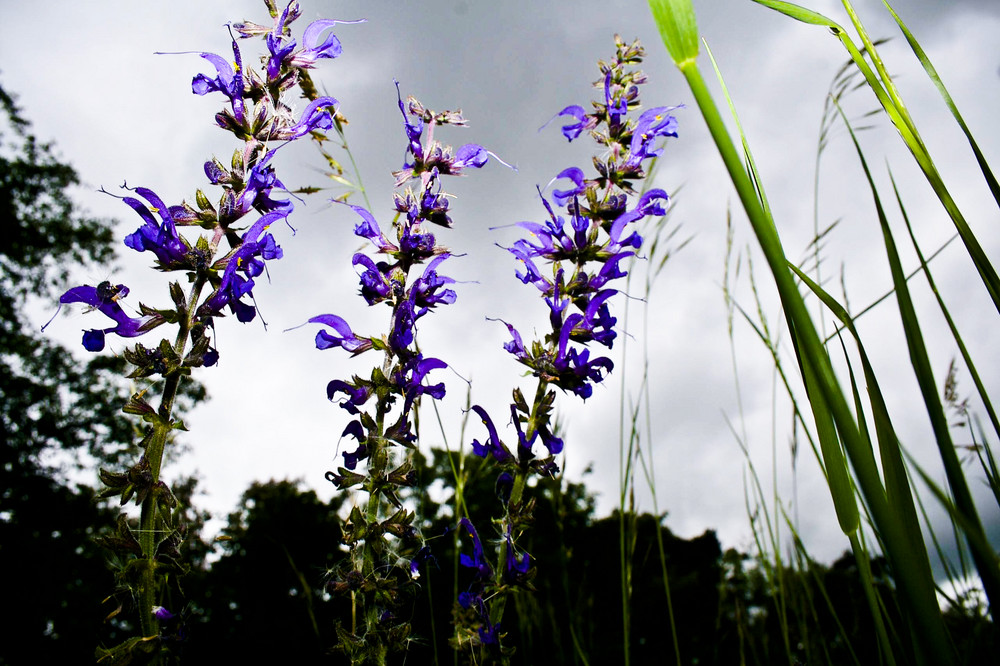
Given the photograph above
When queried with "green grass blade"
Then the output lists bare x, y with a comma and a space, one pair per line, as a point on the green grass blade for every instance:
977, 541
985, 561
678, 29
836, 464
933, 75
930, 631
899, 494
798, 13
963, 350
891, 102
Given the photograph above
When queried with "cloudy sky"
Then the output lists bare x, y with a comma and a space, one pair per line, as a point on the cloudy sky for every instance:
88, 77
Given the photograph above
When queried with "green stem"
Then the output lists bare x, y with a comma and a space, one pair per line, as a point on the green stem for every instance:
154, 457
917, 591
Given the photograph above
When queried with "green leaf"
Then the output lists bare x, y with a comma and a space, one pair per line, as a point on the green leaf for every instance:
800, 13
678, 29
932, 73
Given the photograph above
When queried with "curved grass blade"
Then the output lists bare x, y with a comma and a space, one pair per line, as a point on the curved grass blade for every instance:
966, 357
892, 103
930, 630
985, 560
936, 79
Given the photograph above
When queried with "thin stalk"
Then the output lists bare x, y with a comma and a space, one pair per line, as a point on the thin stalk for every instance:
677, 24
154, 456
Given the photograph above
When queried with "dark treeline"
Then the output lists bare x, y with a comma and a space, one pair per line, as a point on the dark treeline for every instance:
267, 597
260, 594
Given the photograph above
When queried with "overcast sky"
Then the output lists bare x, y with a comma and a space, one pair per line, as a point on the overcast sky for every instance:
87, 77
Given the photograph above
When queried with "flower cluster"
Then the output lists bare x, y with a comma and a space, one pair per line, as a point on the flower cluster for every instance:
258, 110
382, 568
571, 258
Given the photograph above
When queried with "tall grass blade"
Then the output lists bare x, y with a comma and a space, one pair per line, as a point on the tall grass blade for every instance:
966, 357
934, 646
933, 75
893, 105
986, 562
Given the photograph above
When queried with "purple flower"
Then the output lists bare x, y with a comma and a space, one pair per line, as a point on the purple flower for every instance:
414, 131
478, 559
368, 228
411, 377
573, 130
312, 49
525, 251
426, 290
515, 568
595, 323
423, 556
228, 81
616, 110
404, 318
104, 297
503, 487
575, 174
162, 614
652, 123
356, 395
249, 258
609, 271
434, 207
376, 285
493, 444
577, 372
356, 430
516, 345
316, 116
650, 203
416, 246
343, 336
160, 239
257, 191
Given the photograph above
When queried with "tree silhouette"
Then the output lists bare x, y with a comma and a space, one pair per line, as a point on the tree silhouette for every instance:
263, 600
58, 413
53, 409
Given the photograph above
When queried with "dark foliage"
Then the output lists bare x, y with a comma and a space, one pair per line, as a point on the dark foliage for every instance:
58, 413
262, 601
52, 406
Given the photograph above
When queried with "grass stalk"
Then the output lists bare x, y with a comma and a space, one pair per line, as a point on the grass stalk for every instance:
675, 18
